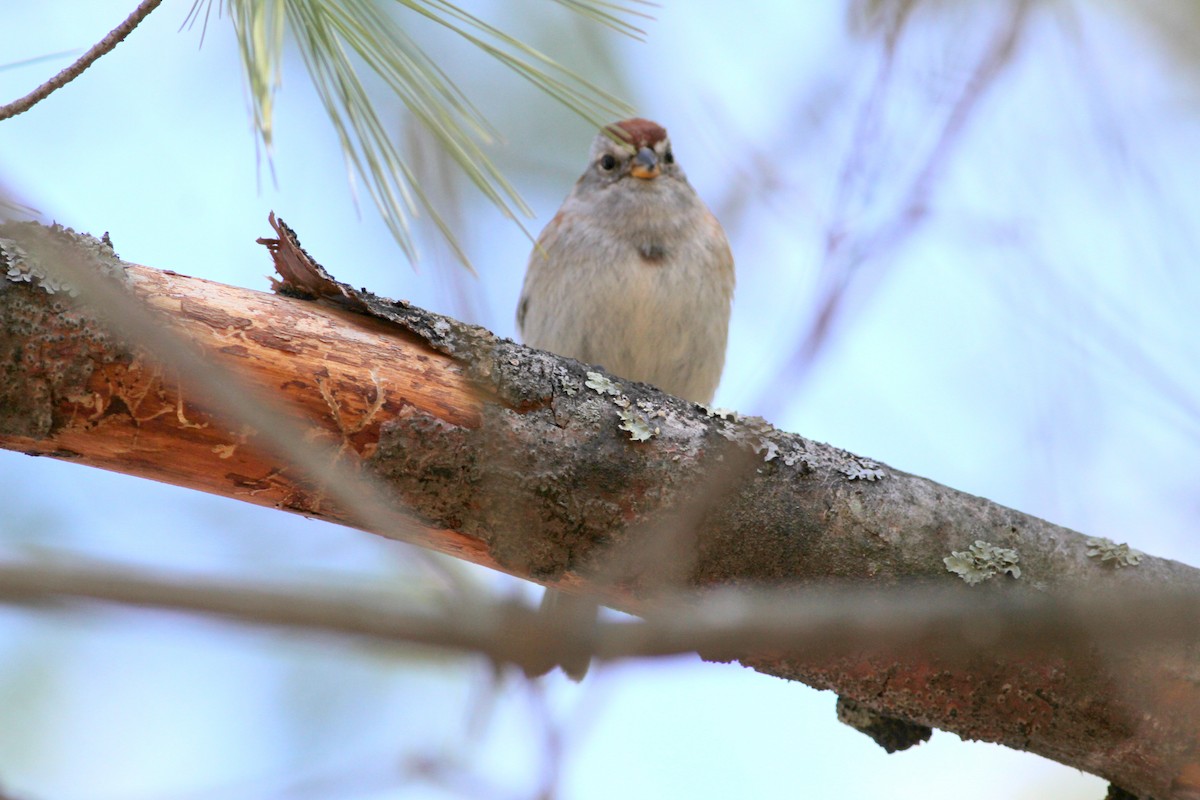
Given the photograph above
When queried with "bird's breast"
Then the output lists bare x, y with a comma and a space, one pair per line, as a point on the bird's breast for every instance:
652, 252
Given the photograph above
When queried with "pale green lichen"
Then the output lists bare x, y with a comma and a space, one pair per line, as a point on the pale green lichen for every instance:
1119, 555
981, 561
638, 424
640, 429
651, 409
569, 385
601, 384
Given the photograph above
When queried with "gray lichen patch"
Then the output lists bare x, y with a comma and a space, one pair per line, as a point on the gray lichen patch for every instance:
49, 343
43, 255
20, 268
1109, 552
771, 443
981, 561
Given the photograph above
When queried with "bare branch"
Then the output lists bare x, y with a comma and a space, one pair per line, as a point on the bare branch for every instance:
114, 37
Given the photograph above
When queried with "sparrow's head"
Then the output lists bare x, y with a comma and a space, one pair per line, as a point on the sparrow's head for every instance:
636, 148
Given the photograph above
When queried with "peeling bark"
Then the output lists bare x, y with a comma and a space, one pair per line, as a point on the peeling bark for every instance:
530, 463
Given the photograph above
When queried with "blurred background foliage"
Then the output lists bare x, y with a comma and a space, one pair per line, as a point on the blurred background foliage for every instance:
965, 233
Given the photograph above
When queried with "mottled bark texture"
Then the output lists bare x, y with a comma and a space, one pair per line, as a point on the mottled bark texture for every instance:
551, 470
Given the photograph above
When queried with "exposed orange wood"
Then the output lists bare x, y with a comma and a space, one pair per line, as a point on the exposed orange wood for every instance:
338, 374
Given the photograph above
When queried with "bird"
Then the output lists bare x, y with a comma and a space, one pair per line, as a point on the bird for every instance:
633, 273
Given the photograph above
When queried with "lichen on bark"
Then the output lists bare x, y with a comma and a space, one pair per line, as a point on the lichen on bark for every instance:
50, 343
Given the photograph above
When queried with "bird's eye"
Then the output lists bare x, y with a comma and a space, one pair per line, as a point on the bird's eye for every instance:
607, 162
668, 157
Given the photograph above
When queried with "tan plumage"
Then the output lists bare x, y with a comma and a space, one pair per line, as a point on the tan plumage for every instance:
634, 273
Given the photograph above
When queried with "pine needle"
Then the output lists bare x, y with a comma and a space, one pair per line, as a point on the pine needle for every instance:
338, 38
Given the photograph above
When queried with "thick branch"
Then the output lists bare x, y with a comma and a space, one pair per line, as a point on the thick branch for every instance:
524, 462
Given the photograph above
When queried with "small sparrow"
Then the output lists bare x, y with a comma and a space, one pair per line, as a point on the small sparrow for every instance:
634, 273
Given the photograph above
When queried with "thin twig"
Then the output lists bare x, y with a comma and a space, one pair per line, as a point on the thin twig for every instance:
115, 36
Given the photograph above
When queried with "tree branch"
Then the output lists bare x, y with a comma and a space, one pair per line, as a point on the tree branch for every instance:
524, 462
114, 37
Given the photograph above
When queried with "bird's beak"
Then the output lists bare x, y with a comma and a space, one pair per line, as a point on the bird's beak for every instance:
645, 165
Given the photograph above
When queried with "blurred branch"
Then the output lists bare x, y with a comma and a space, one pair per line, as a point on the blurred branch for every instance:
720, 623
114, 37
25, 62
515, 459
849, 244
13, 209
